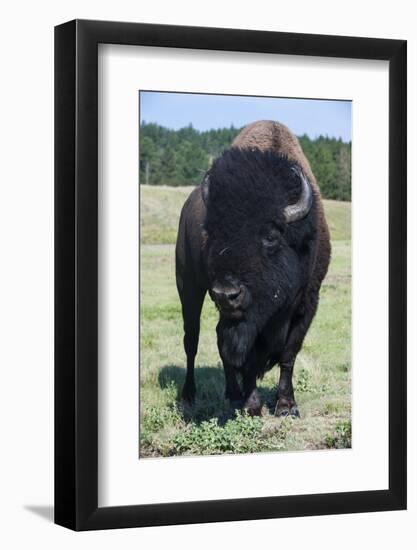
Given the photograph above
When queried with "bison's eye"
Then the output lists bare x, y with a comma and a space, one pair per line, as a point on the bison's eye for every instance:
271, 238
269, 241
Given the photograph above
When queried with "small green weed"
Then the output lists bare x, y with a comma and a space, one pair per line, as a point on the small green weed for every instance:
240, 435
156, 418
243, 434
342, 436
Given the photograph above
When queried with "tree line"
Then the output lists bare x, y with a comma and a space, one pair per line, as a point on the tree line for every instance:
181, 157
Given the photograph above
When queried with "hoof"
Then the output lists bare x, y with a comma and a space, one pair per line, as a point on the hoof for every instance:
287, 407
254, 411
294, 412
253, 405
281, 411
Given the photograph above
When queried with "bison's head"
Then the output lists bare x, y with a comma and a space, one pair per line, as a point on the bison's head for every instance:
259, 228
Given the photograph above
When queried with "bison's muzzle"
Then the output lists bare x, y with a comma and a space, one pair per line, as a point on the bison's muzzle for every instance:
231, 299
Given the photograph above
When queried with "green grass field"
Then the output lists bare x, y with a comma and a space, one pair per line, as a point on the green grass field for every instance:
322, 371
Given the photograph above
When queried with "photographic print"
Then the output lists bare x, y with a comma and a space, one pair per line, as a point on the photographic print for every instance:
245, 274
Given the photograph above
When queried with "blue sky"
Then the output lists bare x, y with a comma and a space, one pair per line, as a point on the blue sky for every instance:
303, 116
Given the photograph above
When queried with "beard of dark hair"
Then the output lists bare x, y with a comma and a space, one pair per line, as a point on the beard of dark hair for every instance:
238, 340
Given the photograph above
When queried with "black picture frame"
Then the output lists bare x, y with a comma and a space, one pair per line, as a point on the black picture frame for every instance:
76, 272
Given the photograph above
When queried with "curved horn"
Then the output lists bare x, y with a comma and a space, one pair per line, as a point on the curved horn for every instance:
302, 207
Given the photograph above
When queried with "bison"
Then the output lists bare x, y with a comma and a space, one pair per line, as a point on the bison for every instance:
254, 236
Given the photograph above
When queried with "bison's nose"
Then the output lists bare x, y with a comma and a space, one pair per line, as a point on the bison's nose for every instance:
230, 297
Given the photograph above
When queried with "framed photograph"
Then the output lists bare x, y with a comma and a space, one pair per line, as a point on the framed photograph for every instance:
230, 255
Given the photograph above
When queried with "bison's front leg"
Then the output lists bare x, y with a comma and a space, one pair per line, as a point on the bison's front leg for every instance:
232, 391
192, 299
286, 404
252, 401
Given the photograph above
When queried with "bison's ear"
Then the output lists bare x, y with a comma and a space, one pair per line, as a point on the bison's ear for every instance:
205, 190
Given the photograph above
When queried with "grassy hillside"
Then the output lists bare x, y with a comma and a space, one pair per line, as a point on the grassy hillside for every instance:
322, 371
161, 207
